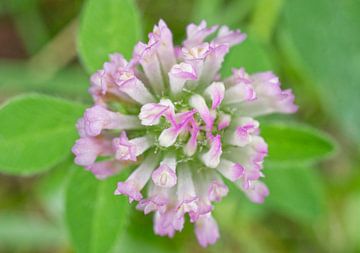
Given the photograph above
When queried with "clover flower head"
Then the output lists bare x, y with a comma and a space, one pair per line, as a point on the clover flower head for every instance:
169, 112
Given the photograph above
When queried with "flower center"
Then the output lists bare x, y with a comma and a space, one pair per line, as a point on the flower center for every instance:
185, 129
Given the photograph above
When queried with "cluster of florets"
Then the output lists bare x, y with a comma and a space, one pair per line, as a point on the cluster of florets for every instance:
168, 112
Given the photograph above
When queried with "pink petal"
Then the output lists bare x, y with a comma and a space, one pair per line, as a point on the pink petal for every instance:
206, 230
212, 158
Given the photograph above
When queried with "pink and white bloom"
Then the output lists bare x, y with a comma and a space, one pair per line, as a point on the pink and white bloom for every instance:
126, 149
246, 127
98, 118
217, 189
179, 75
183, 126
206, 230
165, 174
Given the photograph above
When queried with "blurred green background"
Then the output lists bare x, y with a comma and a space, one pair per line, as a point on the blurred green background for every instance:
314, 46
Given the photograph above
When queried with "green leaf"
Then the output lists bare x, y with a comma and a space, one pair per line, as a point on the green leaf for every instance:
34, 34
106, 27
94, 215
295, 144
145, 240
18, 6
296, 193
328, 47
50, 189
36, 132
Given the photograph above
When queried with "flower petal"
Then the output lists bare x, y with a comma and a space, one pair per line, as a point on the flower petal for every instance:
212, 158
178, 76
198, 102
230, 170
197, 34
206, 230
98, 118
137, 180
226, 36
216, 92
165, 175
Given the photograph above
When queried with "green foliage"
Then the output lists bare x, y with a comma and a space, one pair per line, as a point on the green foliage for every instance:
144, 240
296, 193
51, 187
34, 34
95, 216
250, 54
218, 12
22, 232
264, 18
16, 77
36, 133
106, 27
295, 144
206, 10
351, 220
18, 6
327, 47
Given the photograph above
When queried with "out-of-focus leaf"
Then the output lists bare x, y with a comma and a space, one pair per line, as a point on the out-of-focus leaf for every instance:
36, 132
50, 189
206, 10
235, 13
25, 232
34, 34
296, 193
250, 54
106, 27
326, 36
17, 6
264, 18
295, 144
218, 12
140, 237
234, 212
351, 219
95, 216
16, 77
